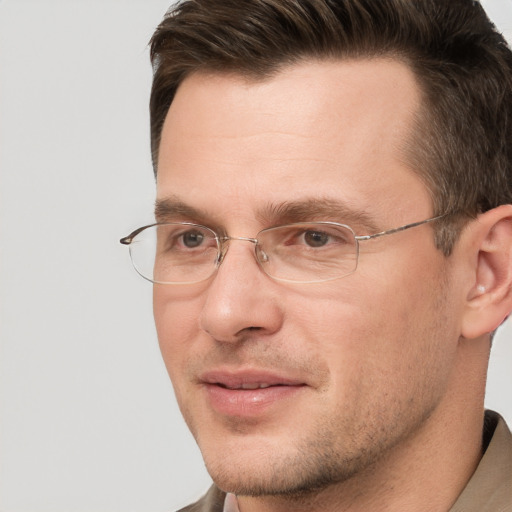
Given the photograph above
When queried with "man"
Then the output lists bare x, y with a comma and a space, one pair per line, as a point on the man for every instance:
332, 251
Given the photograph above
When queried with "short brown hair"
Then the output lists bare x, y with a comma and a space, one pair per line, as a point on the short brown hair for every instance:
462, 142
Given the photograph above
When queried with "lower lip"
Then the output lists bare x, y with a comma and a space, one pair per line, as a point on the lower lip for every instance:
248, 402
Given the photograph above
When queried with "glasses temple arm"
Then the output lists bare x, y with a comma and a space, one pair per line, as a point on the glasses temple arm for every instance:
401, 228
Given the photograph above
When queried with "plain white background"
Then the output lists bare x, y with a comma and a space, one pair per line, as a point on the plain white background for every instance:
88, 420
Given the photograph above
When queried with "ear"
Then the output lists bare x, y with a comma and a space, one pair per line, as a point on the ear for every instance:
489, 300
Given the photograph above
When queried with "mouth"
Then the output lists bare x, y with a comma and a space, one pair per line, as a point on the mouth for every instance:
248, 380
248, 393
247, 385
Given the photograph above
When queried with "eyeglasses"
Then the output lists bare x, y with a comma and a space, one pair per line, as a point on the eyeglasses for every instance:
304, 252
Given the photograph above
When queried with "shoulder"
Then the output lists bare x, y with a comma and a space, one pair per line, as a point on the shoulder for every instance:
490, 488
212, 501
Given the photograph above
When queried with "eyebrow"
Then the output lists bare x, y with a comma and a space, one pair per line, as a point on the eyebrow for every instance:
172, 209
317, 209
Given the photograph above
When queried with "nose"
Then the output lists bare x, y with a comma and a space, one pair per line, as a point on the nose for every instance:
241, 299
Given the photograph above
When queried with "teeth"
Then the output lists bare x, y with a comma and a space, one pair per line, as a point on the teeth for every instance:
248, 386
255, 386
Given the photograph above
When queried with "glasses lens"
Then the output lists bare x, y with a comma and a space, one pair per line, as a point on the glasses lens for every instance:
308, 252
175, 253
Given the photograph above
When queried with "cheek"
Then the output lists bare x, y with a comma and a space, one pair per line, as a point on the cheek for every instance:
385, 326
176, 325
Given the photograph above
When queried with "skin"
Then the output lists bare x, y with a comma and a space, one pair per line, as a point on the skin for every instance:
380, 355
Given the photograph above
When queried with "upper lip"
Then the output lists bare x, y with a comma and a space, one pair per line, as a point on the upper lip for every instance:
248, 379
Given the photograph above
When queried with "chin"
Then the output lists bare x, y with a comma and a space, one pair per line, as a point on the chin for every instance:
277, 471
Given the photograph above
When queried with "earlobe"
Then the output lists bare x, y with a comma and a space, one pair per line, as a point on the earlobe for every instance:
489, 300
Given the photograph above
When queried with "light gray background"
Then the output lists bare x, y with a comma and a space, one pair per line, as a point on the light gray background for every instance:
88, 420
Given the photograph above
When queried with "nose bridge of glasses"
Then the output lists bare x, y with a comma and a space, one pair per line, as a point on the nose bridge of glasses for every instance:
243, 238
224, 241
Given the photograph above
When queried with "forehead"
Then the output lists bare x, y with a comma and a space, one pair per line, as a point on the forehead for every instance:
325, 129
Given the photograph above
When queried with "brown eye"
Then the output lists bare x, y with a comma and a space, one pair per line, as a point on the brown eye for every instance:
316, 238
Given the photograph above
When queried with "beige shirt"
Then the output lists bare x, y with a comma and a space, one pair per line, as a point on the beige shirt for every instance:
488, 490
490, 487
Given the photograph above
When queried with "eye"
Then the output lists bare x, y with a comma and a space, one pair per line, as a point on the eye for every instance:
307, 238
185, 239
192, 239
316, 238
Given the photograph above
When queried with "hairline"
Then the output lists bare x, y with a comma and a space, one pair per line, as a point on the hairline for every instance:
257, 76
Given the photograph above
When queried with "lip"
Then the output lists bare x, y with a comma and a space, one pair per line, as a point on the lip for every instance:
248, 393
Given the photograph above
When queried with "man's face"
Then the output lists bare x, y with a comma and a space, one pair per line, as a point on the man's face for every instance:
288, 387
